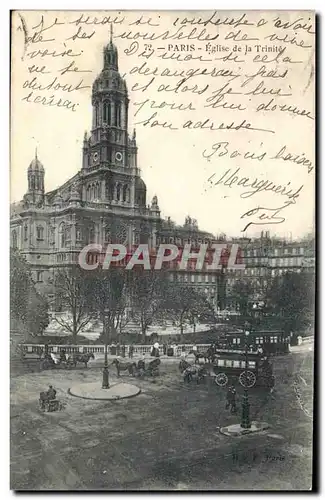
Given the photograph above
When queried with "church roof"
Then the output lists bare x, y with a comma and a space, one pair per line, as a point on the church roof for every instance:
140, 184
35, 164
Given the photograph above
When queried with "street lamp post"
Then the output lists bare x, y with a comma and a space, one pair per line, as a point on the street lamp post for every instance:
246, 421
105, 384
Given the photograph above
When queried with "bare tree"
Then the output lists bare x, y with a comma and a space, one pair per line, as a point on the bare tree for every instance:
148, 295
183, 303
242, 293
73, 295
110, 299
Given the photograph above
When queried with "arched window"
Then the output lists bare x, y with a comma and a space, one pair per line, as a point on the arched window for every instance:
98, 190
118, 192
92, 234
91, 192
96, 114
107, 234
118, 114
67, 232
107, 112
62, 235
14, 239
40, 232
125, 193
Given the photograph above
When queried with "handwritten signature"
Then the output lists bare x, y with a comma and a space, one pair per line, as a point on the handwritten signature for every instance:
265, 215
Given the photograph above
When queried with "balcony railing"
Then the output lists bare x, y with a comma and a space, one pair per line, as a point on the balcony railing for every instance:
100, 349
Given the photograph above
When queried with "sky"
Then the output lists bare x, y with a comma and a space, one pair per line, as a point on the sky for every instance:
181, 166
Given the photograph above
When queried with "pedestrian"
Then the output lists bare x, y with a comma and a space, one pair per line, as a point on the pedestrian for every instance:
131, 350
233, 408
51, 393
165, 349
123, 350
229, 397
156, 349
141, 366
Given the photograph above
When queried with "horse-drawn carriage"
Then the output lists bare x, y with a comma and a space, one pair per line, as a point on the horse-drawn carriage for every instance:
63, 360
232, 365
152, 369
47, 401
192, 372
138, 369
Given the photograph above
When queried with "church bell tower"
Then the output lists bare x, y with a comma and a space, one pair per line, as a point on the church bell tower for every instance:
109, 144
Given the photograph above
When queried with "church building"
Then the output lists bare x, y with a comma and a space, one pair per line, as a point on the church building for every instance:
104, 202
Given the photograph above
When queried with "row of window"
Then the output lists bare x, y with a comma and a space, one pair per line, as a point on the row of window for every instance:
289, 251
286, 261
14, 235
258, 340
275, 252
195, 278
234, 363
279, 272
111, 115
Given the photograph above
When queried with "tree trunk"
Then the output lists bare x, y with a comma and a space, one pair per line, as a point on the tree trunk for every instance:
143, 329
181, 328
74, 328
143, 333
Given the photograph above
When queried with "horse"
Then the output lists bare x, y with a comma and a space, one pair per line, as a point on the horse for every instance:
151, 370
183, 365
124, 366
80, 358
198, 355
49, 361
153, 367
194, 371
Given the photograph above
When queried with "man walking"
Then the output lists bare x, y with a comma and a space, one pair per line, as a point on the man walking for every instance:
231, 399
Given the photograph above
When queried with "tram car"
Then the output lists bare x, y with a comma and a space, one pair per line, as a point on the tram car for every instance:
271, 342
229, 366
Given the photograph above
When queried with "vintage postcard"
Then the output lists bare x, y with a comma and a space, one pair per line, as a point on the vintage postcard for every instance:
162, 250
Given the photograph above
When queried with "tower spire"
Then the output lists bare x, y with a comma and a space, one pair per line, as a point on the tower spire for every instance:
111, 34
36, 153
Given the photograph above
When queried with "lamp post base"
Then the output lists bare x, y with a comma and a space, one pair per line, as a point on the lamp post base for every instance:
105, 384
245, 421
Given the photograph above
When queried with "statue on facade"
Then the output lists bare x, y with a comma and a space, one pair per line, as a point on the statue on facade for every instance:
154, 202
